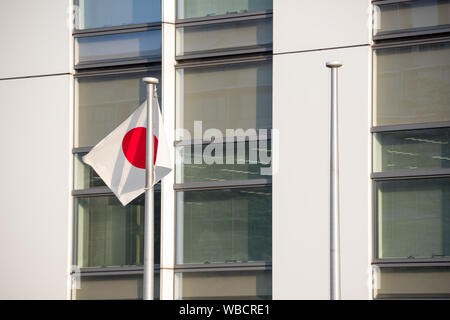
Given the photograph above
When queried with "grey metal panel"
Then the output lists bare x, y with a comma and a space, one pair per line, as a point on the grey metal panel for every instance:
406, 263
222, 184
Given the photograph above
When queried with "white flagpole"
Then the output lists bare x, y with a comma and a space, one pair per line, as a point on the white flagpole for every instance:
335, 263
149, 203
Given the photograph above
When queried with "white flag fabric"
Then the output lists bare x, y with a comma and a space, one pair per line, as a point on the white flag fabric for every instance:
120, 158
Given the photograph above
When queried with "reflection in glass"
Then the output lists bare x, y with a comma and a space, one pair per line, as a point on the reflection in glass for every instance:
224, 97
109, 13
413, 218
219, 37
84, 176
109, 234
402, 16
412, 150
111, 287
102, 103
223, 285
118, 47
210, 8
228, 225
413, 282
411, 84
223, 162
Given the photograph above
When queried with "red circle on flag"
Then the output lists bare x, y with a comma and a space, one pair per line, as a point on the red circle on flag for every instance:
134, 146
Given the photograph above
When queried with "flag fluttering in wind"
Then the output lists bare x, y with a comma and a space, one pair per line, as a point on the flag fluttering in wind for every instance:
120, 158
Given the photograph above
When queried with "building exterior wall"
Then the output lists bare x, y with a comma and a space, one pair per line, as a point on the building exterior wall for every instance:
301, 113
35, 127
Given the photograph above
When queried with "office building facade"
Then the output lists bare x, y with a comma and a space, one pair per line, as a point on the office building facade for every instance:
245, 98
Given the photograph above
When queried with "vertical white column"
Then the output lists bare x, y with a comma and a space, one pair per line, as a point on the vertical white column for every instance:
168, 114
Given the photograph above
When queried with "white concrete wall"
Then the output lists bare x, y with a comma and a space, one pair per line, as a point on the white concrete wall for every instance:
35, 37
301, 113
35, 136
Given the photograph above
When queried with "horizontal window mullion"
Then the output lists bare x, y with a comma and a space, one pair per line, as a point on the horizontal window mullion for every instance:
411, 33
224, 140
116, 63
415, 262
381, 2
233, 184
221, 61
421, 174
395, 43
116, 71
117, 29
226, 52
214, 267
414, 126
101, 191
224, 18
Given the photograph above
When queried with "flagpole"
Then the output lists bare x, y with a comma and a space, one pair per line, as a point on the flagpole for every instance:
149, 244
335, 263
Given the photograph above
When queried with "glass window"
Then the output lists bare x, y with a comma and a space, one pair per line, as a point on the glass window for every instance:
411, 84
412, 150
224, 36
119, 47
129, 287
209, 8
109, 13
109, 234
411, 282
102, 103
84, 176
224, 97
422, 14
221, 285
223, 162
413, 218
228, 225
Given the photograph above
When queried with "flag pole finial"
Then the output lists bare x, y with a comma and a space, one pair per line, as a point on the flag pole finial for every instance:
150, 80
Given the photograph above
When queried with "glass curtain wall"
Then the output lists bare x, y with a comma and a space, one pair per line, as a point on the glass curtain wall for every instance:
117, 43
411, 146
223, 150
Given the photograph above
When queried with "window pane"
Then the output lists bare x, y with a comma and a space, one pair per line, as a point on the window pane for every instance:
108, 13
224, 36
411, 84
111, 287
412, 150
413, 218
208, 8
109, 234
224, 97
413, 282
118, 47
84, 176
411, 15
102, 103
221, 285
230, 225
222, 162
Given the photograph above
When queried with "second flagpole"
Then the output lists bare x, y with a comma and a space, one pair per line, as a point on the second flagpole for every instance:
149, 259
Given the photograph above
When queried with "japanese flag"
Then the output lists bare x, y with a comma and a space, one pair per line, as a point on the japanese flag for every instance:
120, 158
